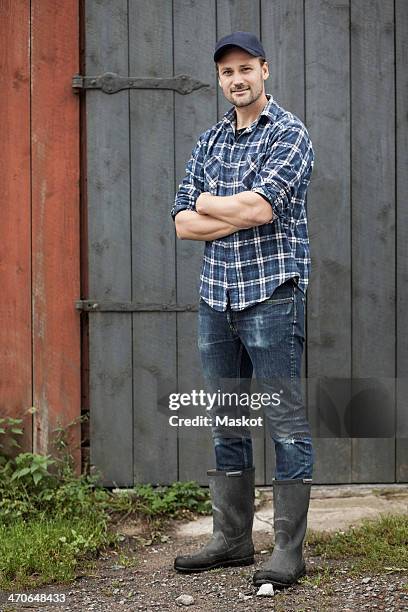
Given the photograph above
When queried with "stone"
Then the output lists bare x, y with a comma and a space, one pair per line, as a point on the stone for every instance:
185, 600
265, 590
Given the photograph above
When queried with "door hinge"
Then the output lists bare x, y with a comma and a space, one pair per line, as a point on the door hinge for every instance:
105, 306
110, 83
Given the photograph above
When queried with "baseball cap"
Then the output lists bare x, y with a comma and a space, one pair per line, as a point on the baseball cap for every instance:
244, 40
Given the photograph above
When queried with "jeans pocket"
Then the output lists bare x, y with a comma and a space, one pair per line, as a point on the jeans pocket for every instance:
282, 299
278, 306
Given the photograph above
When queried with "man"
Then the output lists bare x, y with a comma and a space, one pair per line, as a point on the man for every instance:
244, 194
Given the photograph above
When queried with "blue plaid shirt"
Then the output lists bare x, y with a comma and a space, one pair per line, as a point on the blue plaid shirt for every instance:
273, 157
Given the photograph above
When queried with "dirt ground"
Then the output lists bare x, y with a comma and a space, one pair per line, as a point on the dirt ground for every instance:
153, 585
141, 577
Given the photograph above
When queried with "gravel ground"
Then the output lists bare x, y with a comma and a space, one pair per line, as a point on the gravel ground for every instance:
142, 578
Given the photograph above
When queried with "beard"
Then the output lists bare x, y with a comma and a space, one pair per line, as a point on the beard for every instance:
248, 98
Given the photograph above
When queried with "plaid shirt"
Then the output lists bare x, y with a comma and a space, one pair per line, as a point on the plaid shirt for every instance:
273, 157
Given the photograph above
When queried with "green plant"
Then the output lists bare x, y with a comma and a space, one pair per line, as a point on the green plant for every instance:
30, 467
173, 500
10, 430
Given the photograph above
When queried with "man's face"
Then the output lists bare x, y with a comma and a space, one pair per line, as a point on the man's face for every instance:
241, 77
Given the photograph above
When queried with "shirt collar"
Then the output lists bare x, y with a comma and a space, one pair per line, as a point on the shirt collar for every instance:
270, 111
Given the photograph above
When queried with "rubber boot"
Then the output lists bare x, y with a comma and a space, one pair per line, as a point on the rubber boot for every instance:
290, 503
232, 497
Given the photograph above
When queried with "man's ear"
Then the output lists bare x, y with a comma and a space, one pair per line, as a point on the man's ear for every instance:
265, 76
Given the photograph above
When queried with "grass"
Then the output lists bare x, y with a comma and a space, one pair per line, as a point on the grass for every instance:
52, 521
70, 522
45, 551
375, 546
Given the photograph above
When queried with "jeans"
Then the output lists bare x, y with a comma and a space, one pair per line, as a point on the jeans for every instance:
267, 340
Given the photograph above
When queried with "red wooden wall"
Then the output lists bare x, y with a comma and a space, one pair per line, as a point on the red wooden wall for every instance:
40, 358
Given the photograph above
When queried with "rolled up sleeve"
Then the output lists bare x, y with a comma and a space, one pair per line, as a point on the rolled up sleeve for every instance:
288, 165
193, 183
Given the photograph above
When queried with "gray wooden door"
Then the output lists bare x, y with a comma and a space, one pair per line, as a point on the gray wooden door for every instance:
336, 65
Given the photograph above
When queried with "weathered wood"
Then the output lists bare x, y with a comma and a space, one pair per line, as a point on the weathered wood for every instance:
193, 21
345, 97
108, 155
153, 238
55, 222
327, 111
373, 216
154, 375
233, 16
282, 32
109, 247
15, 229
195, 447
110, 389
401, 85
152, 154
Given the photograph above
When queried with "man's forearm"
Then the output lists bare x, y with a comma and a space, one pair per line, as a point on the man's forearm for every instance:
246, 208
193, 226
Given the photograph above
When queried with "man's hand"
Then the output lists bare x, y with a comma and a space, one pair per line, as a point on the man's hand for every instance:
200, 202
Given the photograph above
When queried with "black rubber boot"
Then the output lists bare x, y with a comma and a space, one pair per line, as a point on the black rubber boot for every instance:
290, 503
232, 496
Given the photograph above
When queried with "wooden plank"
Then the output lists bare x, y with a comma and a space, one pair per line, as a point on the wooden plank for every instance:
401, 57
55, 222
284, 52
196, 452
327, 103
153, 237
194, 113
373, 216
234, 16
15, 254
108, 154
109, 245
282, 32
111, 423
154, 375
152, 154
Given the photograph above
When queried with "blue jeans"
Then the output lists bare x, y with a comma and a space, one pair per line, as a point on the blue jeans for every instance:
266, 339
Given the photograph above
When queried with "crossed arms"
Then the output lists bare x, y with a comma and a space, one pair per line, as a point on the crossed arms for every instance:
219, 216
198, 215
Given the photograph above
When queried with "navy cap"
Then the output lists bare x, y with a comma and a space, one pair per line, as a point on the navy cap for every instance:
244, 40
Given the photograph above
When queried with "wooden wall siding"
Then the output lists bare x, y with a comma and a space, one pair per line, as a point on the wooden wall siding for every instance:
340, 67
153, 241
328, 109
109, 244
55, 220
15, 248
40, 327
401, 224
373, 216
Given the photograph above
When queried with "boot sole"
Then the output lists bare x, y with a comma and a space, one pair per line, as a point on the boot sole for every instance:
276, 583
232, 563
